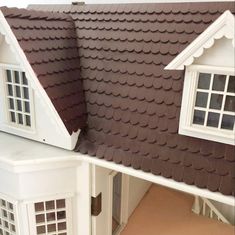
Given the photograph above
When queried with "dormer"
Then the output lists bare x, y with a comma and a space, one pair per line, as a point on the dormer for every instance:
208, 103
41, 96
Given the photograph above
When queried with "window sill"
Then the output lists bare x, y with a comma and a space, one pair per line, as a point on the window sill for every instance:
207, 134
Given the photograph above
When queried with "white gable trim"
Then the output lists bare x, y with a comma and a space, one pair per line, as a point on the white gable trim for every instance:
222, 27
35, 84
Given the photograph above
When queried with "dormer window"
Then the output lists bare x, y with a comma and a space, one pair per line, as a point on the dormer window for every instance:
18, 99
208, 105
215, 101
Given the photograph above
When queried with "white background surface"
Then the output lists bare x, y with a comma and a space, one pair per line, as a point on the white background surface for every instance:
24, 3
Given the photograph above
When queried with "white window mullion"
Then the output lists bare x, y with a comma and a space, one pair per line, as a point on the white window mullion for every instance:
223, 102
21, 99
208, 99
14, 96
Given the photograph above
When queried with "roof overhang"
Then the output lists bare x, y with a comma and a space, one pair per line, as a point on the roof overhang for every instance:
170, 183
18, 155
224, 26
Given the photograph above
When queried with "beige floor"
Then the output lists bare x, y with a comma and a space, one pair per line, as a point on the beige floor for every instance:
166, 212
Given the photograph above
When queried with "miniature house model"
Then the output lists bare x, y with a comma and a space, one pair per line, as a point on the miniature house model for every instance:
93, 96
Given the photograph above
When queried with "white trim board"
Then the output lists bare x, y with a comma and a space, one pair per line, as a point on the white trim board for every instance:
222, 27
229, 200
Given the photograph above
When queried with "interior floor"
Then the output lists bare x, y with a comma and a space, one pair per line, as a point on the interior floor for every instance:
164, 211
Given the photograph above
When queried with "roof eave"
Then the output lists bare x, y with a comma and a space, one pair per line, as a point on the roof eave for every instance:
170, 183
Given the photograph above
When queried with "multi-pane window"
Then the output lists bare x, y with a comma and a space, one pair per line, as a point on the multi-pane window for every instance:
215, 101
18, 98
7, 218
51, 217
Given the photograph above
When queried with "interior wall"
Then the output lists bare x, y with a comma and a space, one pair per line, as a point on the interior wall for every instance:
100, 184
227, 211
137, 189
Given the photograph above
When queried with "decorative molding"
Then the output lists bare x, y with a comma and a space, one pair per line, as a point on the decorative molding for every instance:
222, 27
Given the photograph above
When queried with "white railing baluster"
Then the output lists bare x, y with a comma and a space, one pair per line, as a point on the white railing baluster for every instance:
208, 209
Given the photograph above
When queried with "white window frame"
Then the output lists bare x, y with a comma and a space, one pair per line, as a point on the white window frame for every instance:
15, 211
69, 213
187, 107
7, 118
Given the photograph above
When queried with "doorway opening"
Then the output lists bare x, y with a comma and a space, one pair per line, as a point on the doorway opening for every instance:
118, 203
117, 200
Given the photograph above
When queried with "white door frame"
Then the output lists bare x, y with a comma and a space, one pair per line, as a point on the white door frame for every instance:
124, 202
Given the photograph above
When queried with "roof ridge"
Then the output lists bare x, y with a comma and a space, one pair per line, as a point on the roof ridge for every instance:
23, 13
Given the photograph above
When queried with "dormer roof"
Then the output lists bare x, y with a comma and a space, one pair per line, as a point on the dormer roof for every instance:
49, 42
224, 26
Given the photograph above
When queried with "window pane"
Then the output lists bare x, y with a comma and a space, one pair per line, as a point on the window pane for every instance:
231, 84
20, 118
230, 103
13, 117
61, 226
26, 107
213, 119
9, 78
201, 99
199, 117
216, 101
26, 93
17, 77
25, 81
11, 103
50, 216
10, 90
228, 122
61, 215
19, 105
51, 227
50, 205
18, 92
40, 218
60, 203
41, 229
219, 82
39, 206
204, 80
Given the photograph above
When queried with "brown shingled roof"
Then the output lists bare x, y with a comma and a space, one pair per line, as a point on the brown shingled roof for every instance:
49, 43
133, 103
